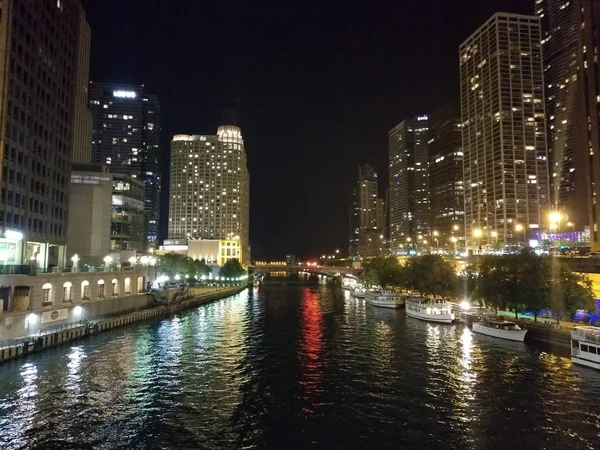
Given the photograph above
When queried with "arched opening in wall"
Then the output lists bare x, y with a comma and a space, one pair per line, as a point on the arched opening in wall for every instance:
67, 292
47, 295
100, 288
127, 289
140, 284
115, 287
85, 290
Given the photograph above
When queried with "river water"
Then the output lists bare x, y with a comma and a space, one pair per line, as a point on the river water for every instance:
296, 366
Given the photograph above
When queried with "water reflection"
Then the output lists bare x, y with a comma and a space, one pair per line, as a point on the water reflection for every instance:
311, 345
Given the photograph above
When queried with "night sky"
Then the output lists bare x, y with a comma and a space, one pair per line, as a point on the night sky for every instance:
318, 86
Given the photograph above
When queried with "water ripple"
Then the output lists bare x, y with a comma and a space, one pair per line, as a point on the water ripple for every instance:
293, 366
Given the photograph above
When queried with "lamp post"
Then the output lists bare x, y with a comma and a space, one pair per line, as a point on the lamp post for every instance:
519, 227
435, 235
107, 262
75, 259
477, 233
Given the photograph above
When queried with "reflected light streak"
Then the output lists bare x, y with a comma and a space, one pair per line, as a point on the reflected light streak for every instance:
310, 349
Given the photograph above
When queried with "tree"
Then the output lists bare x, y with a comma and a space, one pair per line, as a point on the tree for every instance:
430, 275
172, 264
201, 268
383, 271
232, 269
570, 292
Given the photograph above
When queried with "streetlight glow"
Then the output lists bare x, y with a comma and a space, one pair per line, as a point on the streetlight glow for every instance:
519, 227
477, 232
555, 217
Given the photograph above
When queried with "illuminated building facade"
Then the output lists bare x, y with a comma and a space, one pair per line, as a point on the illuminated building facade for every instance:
446, 174
43, 58
209, 190
503, 130
126, 133
568, 152
409, 182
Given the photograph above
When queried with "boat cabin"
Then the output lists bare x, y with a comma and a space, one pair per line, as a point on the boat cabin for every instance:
502, 324
585, 345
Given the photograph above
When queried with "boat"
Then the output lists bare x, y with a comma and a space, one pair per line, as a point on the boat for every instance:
348, 283
436, 310
503, 329
359, 292
385, 298
585, 346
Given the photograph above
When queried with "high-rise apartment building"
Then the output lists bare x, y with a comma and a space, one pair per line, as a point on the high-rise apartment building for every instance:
209, 195
446, 175
43, 60
408, 184
126, 132
566, 121
589, 102
503, 130
366, 214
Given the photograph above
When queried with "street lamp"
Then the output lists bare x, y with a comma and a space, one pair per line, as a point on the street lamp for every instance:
519, 227
477, 233
75, 260
107, 262
337, 250
132, 260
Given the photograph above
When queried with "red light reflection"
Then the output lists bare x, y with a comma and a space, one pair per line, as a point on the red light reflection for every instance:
311, 345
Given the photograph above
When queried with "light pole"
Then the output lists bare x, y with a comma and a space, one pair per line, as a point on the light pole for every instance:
519, 227
435, 235
477, 233
75, 260
107, 262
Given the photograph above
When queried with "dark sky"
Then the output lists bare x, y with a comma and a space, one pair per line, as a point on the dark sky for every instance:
318, 84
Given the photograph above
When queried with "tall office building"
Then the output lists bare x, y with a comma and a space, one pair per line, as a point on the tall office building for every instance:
503, 130
408, 184
566, 121
126, 132
589, 102
446, 175
42, 53
209, 195
366, 214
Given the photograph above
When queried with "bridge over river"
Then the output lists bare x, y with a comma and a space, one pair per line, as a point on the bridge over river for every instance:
321, 270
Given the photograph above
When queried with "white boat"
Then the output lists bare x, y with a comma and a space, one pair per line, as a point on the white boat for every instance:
385, 298
585, 346
348, 283
503, 329
436, 310
359, 292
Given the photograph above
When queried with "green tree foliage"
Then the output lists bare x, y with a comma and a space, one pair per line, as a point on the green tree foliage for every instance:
430, 275
526, 281
232, 269
172, 264
383, 271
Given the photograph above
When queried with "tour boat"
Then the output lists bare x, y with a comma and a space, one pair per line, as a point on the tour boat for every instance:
348, 283
503, 329
585, 346
436, 310
359, 291
385, 298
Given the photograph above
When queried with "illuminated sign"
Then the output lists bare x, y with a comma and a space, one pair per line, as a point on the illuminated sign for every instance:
124, 94
422, 118
88, 179
202, 138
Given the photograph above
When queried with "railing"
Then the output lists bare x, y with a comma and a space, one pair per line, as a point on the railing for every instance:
41, 333
592, 336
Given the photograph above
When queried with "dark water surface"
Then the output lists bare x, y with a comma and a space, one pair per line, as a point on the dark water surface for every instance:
293, 366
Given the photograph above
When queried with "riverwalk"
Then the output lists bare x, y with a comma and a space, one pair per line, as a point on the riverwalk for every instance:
26, 345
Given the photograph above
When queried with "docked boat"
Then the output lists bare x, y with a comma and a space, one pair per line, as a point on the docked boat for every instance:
436, 310
385, 298
503, 329
359, 292
585, 346
348, 283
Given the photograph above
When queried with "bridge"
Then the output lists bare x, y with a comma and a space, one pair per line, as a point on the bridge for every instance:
320, 270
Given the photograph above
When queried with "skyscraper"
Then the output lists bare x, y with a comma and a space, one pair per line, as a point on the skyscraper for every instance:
366, 214
43, 55
409, 185
209, 195
589, 101
126, 132
446, 175
566, 119
503, 130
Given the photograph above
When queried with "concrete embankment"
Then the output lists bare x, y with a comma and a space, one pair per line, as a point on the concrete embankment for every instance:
33, 344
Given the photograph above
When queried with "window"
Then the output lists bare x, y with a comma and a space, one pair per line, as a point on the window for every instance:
127, 286
584, 348
67, 292
47, 294
85, 290
115, 287
100, 288
593, 350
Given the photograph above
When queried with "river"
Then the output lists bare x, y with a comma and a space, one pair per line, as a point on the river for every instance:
293, 366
